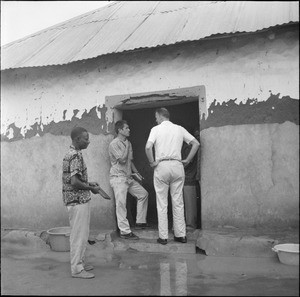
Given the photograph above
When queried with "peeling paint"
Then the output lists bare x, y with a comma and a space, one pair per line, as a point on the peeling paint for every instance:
14, 132
64, 114
273, 110
94, 121
49, 96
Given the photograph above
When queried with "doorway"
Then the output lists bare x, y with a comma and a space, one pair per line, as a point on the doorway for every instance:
185, 105
140, 122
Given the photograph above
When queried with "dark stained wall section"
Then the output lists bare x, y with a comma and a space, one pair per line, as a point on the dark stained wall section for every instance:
273, 110
89, 120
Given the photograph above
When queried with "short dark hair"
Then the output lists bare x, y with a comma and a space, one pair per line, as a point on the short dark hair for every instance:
120, 125
77, 131
163, 111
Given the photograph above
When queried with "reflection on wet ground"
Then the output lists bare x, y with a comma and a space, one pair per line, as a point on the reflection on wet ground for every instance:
182, 275
44, 272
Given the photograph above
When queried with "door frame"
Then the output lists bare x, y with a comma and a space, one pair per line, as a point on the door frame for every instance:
117, 103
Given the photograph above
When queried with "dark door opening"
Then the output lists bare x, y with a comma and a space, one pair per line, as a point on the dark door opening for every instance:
140, 122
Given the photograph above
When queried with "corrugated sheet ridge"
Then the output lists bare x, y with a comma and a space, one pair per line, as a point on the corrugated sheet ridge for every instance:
181, 24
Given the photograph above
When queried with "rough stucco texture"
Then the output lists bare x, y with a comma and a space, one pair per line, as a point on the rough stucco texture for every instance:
250, 175
38, 98
273, 110
31, 196
249, 172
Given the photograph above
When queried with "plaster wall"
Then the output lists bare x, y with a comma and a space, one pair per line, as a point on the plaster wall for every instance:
38, 100
250, 175
31, 182
40, 106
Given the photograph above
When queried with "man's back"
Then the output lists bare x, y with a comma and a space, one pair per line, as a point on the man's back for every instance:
168, 139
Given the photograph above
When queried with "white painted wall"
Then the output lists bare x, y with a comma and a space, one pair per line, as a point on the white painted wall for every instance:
250, 67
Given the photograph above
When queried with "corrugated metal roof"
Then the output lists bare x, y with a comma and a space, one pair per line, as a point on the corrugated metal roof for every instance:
129, 25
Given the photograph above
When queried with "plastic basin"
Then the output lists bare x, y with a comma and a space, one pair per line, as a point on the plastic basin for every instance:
288, 253
59, 239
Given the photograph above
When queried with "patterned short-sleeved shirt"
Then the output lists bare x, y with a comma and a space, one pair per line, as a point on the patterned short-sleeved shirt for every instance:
73, 163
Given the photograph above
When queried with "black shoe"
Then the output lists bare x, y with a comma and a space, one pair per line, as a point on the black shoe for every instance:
141, 225
129, 236
162, 241
180, 239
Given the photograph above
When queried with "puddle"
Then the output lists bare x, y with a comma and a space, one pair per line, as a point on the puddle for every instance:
136, 273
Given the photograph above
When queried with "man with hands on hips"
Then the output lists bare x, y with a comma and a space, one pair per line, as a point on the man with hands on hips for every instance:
167, 139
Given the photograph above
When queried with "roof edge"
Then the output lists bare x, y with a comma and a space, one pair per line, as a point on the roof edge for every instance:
210, 37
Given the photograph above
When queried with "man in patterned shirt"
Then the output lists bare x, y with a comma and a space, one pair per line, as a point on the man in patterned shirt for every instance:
121, 171
77, 197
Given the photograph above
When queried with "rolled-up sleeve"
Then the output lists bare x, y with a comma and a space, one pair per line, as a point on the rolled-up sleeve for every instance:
187, 137
152, 136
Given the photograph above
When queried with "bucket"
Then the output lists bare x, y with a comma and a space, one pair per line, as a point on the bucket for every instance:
59, 239
288, 253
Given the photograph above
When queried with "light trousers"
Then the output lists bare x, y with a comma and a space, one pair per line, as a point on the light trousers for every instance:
169, 175
120, 186
79, 217
190, 205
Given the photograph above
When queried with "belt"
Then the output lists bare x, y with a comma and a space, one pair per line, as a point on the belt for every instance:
169, 159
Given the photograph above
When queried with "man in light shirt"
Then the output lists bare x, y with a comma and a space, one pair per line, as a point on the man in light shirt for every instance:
121, 180
167, 139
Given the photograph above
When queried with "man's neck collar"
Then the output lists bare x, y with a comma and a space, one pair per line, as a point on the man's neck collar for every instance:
74, 147
122, 137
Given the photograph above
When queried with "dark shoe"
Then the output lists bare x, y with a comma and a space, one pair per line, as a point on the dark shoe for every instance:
162, 241
129, 236
141, 226
180, 239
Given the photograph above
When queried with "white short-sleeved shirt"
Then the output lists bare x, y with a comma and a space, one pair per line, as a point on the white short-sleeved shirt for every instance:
168, 138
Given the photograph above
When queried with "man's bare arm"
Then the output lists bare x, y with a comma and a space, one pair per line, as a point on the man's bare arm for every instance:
195, 146
149, 154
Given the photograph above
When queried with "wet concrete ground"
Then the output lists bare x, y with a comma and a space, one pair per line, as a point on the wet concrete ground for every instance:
30, 267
